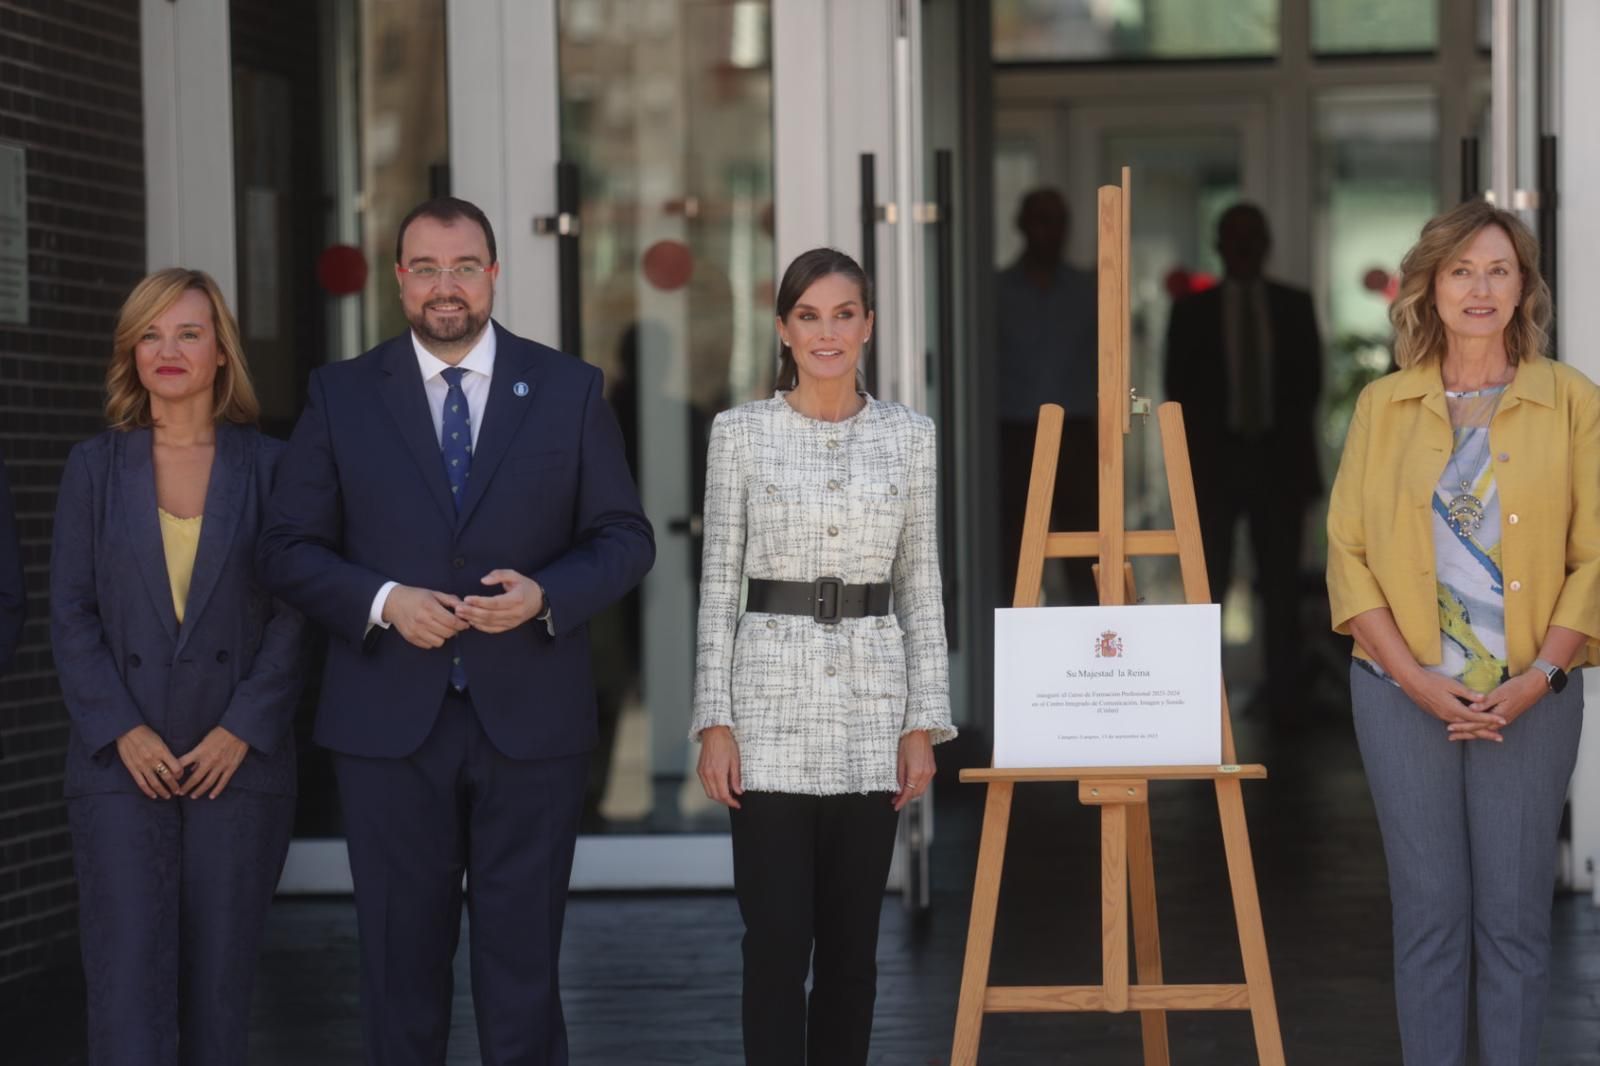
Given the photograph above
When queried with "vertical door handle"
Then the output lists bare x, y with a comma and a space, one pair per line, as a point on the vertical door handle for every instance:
566, 225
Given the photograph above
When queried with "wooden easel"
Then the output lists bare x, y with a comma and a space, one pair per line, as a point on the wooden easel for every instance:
1121, 793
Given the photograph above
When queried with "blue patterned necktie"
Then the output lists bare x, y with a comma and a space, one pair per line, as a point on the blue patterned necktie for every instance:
455, 445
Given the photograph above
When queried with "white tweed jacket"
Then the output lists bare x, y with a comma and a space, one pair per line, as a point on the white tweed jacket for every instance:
819, 708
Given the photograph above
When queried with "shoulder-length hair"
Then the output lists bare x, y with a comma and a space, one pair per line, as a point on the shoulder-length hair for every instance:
807, 269
233, 397
1419, 331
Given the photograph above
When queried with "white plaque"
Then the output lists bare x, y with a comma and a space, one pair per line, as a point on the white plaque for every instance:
1108, 686
13, 234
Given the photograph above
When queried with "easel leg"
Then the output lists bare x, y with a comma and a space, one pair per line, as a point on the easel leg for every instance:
1146, 931
1114, 905
980, 930
1247, 915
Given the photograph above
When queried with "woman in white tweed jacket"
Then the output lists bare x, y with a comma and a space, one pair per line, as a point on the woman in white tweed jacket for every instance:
818, 707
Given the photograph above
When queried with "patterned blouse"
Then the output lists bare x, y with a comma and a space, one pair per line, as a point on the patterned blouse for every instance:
820, 708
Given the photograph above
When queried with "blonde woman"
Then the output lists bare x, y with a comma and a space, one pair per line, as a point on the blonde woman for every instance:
1464, 558
180, 676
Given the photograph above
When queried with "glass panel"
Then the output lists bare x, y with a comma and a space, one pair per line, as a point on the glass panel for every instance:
1376, 183
339, 128
669, 119
1366, 26
1087, 30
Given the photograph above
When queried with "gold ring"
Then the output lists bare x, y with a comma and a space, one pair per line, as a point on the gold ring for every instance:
161, 769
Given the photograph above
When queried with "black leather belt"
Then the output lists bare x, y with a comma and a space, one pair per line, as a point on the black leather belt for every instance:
827, 599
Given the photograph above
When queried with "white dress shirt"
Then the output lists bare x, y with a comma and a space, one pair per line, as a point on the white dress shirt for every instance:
479, 367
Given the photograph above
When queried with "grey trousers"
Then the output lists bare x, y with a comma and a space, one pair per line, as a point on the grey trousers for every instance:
1469, 831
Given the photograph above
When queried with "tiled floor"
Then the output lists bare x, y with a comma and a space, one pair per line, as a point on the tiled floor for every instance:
654, 979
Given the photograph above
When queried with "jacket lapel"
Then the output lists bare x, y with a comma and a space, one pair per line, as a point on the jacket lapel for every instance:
502, 415
407, 402
230, 474
144, 524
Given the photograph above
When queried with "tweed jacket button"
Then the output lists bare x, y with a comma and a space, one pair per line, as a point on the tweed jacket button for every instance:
771, 489
833, 531
833, 442
883, 623
894, 490
833, 486
772, 623
134, 660
832, 671
1516, 586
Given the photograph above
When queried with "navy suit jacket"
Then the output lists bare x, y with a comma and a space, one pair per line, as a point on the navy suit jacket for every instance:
363, 499
13, 592
122, 657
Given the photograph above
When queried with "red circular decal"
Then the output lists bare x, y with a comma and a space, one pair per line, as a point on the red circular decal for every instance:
668, 265
342, 269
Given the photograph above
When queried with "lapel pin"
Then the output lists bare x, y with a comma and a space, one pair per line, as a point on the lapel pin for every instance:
520, 388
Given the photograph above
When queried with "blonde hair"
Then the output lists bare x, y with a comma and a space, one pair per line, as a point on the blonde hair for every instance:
233, 397
1419, 331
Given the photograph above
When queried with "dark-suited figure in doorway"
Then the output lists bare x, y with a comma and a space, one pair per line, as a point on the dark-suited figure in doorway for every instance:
1245, 360
1046, 349
454, 507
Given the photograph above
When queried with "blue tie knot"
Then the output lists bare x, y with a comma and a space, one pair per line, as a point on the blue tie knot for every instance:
452, 375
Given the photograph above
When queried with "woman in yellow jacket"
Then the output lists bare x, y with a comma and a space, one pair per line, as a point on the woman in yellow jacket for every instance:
1464, 558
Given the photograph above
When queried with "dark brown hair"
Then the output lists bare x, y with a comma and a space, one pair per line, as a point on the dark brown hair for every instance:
446, 209
807, 269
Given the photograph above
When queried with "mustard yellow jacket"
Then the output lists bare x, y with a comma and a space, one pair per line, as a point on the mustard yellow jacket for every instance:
1545, 446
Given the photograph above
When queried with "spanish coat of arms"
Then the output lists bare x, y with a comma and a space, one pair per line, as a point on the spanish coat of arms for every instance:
1108, 645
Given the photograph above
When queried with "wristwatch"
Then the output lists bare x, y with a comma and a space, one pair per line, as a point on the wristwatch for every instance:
1553, 674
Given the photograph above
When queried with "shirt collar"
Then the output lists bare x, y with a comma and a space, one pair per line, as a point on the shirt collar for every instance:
479, 360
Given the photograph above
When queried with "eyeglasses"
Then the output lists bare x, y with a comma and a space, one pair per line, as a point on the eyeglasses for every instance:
466, 273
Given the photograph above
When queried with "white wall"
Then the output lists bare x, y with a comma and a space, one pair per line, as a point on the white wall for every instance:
1578, 81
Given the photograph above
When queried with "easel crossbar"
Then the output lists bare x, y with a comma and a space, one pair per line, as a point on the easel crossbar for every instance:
1064, 999
1141, 542
1251, 771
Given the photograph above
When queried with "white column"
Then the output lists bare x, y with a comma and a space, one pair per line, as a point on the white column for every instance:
505, 139
1579, 221
187, 70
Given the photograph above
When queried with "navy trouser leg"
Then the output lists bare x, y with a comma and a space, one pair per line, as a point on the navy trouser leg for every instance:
173, 896
404, 822
522, 829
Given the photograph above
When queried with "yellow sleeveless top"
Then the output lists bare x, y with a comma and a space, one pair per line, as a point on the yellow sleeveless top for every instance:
180, 539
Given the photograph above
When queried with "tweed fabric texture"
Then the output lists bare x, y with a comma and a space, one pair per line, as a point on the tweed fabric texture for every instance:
818, 708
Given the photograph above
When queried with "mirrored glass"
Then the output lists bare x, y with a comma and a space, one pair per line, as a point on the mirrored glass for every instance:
1074, 31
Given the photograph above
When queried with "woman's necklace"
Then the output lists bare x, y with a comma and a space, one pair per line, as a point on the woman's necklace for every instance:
1465, 511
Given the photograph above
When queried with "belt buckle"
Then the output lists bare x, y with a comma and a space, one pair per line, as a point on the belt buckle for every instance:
827, 595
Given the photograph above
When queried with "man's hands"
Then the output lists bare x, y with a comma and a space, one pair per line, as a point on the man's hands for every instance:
425, 618
428, 619
521, 601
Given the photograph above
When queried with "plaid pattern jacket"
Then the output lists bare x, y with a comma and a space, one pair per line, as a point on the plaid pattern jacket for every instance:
819, 708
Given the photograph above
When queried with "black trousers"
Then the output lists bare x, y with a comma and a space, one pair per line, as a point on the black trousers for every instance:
810, 872
1275, 512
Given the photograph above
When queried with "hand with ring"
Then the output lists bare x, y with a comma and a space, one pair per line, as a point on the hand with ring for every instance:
150, 763
915, 767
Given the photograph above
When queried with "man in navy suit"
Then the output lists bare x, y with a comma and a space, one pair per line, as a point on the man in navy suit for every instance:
453, 508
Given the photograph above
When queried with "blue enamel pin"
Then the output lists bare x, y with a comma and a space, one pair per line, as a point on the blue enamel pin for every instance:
520, 388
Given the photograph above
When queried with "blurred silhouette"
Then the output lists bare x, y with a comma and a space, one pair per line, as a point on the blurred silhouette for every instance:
1046, 348
1245, 360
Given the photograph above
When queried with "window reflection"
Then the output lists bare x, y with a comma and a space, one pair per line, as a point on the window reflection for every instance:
1089, 30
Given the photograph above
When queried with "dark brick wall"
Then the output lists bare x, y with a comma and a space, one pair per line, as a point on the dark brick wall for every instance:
70, 95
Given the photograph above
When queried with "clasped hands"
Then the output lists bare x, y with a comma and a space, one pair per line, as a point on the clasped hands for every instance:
1470, 715
427, 618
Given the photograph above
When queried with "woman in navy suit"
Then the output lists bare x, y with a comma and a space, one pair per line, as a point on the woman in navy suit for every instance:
181, 676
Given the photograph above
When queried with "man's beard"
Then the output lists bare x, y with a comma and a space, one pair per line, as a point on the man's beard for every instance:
461, 327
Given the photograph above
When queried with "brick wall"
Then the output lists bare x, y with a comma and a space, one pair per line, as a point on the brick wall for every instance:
70, 95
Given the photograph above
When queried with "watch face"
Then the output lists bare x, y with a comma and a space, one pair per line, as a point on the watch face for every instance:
1558, 680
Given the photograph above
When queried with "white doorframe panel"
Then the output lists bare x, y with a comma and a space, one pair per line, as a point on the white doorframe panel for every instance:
186, 68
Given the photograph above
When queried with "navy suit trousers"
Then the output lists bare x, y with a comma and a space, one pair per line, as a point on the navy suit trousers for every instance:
172, 897
415, 825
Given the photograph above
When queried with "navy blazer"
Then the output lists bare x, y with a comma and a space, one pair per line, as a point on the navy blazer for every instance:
13, 591
362, 498
123, 659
